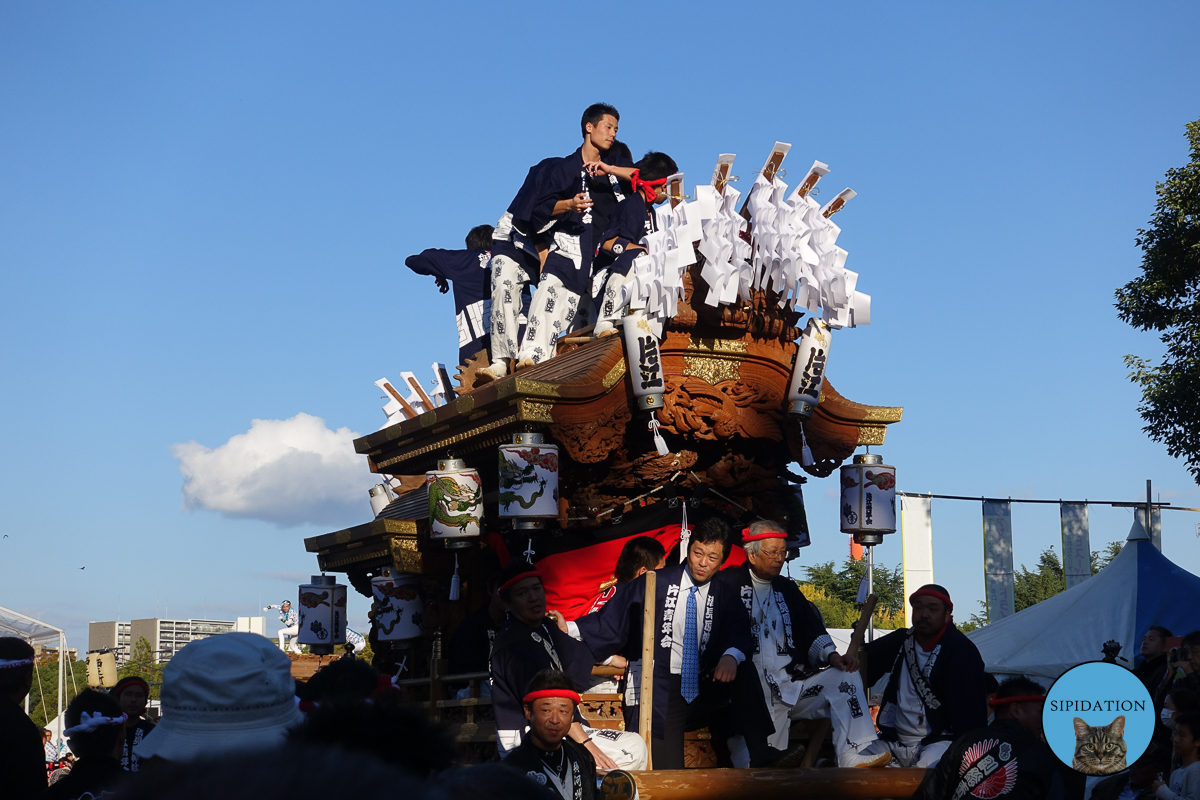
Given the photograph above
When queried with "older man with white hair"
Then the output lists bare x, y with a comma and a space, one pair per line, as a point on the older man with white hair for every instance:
784, 678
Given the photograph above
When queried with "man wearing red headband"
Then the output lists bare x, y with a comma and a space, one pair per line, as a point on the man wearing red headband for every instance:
1007, 759
691, 661
631, 220
531, 642
783, 680
132, 693
547, 754
937, 686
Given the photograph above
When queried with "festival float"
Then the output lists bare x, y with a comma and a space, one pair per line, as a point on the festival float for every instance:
713, 398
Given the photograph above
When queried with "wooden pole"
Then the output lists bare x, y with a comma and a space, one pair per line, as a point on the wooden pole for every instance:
646, 691
776, 784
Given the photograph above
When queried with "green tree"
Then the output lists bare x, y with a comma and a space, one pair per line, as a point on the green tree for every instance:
141, 664
1165, 298
43, 697
843, 584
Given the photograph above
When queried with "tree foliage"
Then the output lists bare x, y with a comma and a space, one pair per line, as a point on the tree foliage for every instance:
141, 664
843, 584
43, 697
1166, 298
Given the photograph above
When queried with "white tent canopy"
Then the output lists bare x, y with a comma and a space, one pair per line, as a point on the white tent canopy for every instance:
37, 632
1140, 587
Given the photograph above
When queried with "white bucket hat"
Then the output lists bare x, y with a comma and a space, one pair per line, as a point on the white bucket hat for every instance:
233, 691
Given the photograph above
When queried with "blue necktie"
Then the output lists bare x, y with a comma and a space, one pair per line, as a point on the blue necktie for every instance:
690, 672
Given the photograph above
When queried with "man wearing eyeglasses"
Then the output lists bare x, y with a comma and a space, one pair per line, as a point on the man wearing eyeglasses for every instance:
782, 681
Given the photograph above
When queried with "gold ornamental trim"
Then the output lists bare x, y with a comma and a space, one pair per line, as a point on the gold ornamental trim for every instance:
405, 554
382, 466
535, 412
712, 370
734, 346
615, 375
428, 419
537, 388
884, 414
871, 434
465, 404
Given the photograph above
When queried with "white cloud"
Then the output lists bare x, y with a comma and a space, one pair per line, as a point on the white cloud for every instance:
289, 472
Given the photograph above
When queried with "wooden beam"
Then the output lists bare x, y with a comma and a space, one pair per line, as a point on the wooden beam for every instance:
408, 409
776, 784
416, 385
646, 692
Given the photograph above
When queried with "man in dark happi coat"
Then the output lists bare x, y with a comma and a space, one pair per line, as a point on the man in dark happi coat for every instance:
547, 754
937, 689
530, 642
1007, 759
702, 637
790, 640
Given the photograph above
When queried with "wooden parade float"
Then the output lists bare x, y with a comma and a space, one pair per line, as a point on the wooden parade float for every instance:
724, 416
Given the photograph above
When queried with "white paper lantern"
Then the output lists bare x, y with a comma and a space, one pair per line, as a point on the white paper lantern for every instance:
868, 498
398, 605
455, 502
645, 363
528, 478
379, 498
808, 374
321, 612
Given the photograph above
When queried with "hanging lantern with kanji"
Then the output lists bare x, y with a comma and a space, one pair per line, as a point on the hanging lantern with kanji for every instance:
645, 363
528, 480
455, 502
321, 613
868, 508
808, 373
398, 606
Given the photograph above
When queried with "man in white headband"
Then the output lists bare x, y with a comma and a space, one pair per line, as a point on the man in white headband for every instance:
22, 759
95, 732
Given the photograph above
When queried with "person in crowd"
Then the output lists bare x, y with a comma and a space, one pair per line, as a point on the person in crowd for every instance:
291, 626
52, 748
95, 733
1154, 657
631, 220
401, 737
487, 782
1007, 759
704, 637
530, 642
1185, 781
22, 757
789, 641
468, 270
132, 693
341, 680
298, 772
548, 754
938, 688
639, 555
232, 692
1137, 783
1175, 704
1183, 669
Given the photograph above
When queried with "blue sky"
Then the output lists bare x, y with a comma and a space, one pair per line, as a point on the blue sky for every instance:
204, 212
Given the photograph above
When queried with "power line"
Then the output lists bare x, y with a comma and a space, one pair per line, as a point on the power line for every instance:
1113, 503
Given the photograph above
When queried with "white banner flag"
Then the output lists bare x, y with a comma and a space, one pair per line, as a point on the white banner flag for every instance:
998, 559
1076, 543
916, 537
1155, 526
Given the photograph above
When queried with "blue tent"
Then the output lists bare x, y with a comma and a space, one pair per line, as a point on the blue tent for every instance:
1140, 587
